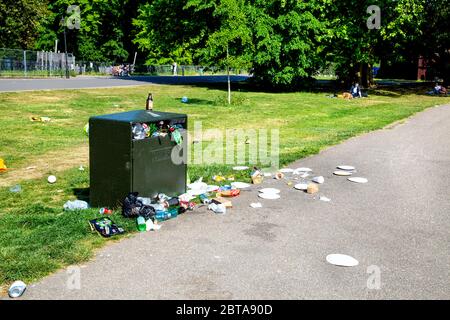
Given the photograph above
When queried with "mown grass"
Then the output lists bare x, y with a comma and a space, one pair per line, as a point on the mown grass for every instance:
37, 237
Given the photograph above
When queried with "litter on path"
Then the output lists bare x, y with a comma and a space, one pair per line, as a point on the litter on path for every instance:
342, 173
286, 170
319, 179
17, 289
346, 168
269, 196
301, 186
342, 260
358, 180
240, 185
256, 205
269, 190
325, 199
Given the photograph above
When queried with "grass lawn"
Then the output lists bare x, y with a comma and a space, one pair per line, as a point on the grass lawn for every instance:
37, 237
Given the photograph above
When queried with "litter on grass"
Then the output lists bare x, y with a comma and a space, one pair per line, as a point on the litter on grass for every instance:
2, 165
240, 168
76, 205
15, 189
342, 260
51, 179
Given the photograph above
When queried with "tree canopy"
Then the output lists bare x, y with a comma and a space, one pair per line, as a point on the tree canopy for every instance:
284, 42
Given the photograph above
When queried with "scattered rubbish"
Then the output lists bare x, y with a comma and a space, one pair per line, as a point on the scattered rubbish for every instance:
30, 168
185, 197
256, 205
342, 260
267, 174
358, 180
229, 193
76, 205
240, 185
286, 170
230, 177
17, 289
319, 179
342, 173
197, 188
217, 208
269, 196
51, 179
312, 188
204, 199
151, 226
17, 188
212, 188
269, 190
2, 165
226, 202
302, 170
40, 119
325, 199
346, 168
149, 102
257, 176
279, 175
86, 129
141, 225
184, 99
166, 215
105, 211
105, 227
81, 168
219, 178
133, 207
240, 168
301, 186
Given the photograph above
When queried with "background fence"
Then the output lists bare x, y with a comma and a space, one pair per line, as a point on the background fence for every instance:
29, 64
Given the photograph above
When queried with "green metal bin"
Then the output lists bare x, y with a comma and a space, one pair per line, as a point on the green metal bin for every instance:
120, 164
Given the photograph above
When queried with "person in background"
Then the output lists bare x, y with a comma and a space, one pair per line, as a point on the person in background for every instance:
437, 88
356, 91
174, 68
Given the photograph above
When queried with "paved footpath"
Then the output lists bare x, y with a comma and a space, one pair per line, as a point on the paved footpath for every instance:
399, 222
82, 82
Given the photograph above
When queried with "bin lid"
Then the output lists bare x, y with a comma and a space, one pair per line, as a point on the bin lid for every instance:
140, 116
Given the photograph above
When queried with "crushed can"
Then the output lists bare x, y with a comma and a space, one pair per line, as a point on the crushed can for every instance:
105, 211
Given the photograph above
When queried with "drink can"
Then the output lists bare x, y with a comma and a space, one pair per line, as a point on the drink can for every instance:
105, 211
17, 289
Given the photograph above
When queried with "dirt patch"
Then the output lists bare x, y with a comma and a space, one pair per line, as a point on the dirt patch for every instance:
39, 166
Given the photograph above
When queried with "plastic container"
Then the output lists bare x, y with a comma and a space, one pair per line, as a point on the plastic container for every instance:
142, 226
166, 215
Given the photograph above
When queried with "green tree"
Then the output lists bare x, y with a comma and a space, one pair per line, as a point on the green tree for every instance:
20, 21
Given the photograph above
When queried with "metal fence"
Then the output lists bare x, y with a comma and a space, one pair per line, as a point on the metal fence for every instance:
27, 63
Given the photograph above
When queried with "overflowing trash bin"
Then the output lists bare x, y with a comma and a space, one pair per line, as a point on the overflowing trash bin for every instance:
141, 151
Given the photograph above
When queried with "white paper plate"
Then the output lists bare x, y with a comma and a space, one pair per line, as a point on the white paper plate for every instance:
240, 168
342, 260
301, 186
240, 185
318, 179
269, 196
342, 173
358, 180
267, 174
197, 185
302, 170
212, 188
270, 190
286, 170
347, 168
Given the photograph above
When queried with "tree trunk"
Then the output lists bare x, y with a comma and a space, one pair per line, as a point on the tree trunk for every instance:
228, 79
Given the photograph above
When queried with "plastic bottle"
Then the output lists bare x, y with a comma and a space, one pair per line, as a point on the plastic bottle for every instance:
204, 199
166, 215
141, 223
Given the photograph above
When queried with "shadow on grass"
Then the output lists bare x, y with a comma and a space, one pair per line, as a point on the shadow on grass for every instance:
192, 101
82, 194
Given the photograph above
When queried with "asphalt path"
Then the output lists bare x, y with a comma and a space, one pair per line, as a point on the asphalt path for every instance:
12, 85
397, 227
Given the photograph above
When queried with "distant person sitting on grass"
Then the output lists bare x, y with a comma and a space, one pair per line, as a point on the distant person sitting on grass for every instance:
356, 91
438, 90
